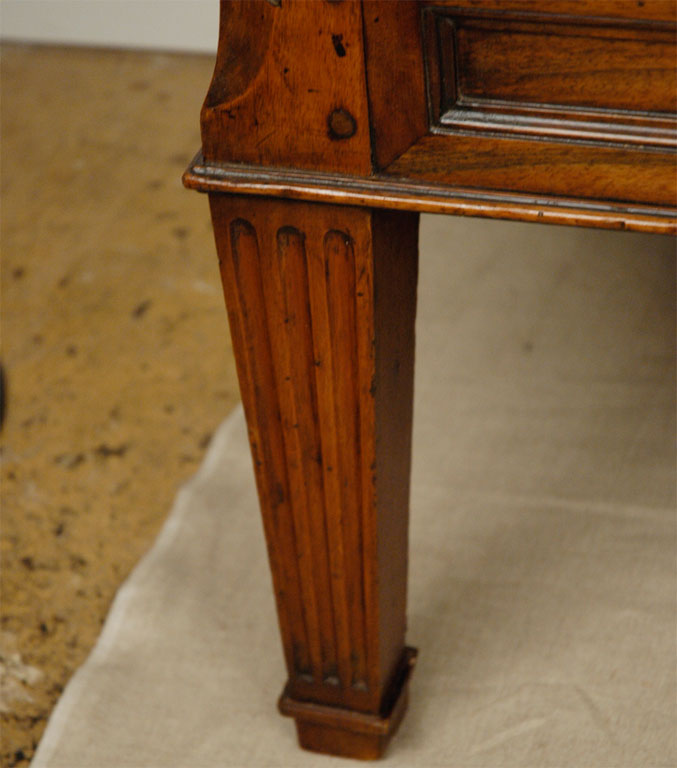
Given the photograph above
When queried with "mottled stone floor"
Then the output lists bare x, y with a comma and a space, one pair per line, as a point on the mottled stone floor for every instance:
115, 345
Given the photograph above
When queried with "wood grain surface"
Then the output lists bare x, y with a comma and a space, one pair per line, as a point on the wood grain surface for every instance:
321, 302
629, 10
614, 68
477, 113
340, 121
395, 77
551, 76
396, 193
558, 169
288, 87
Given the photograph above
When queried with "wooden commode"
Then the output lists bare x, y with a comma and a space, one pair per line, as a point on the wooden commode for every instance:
329, 125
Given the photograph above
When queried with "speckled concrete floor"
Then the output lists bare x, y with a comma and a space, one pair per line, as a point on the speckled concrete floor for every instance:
115, 345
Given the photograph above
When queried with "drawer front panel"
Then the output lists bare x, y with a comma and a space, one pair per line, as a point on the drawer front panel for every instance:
588, 79
567, 66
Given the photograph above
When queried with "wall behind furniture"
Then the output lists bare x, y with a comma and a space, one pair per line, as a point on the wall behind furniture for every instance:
173, 25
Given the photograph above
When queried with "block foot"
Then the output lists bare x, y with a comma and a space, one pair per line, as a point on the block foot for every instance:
347, 733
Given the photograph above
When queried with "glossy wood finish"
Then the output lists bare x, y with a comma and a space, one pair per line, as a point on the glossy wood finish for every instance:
614, 68
558, 99
556, 169
394, 71
583, 80
605, 157
328, 125
288, 87
614, 10
321, 302
395, 193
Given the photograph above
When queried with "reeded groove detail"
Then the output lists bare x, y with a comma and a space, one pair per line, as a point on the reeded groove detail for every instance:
333, 335
319, 329
286, 289
247, 314
341, 375
298, 332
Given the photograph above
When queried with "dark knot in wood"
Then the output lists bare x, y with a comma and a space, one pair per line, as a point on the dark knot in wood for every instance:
342, 124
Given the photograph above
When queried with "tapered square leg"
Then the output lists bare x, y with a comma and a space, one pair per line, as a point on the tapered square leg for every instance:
321, 302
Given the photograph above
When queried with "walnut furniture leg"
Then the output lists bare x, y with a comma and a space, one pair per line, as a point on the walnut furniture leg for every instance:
321, 302
327, 127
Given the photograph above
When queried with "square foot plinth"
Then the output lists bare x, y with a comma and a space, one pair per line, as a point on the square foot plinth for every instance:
347, 733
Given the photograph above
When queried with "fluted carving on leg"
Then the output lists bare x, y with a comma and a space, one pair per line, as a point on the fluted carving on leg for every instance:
285, 278
301, 288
